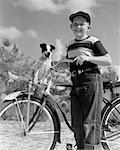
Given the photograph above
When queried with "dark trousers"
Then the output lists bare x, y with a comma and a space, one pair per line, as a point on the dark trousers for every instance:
86, 110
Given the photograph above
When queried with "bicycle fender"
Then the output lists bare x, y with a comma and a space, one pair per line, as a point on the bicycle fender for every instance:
58, 126
14, 95
11, 96
57, 105
55, 114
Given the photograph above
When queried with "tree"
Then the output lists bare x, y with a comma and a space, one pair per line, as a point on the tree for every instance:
12, 60
110, 75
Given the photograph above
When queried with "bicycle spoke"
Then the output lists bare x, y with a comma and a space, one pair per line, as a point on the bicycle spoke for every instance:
111, 127
13, 120
45, 132
112, 142
20, 119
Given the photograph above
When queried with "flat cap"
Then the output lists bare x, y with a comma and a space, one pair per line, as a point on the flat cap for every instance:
80, 13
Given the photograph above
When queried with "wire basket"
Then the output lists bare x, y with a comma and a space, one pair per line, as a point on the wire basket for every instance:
55, 73
40, 74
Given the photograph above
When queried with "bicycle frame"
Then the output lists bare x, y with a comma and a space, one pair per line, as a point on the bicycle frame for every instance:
46, 95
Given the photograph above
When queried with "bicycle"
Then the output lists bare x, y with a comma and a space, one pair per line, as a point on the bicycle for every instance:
28, 116
110, 124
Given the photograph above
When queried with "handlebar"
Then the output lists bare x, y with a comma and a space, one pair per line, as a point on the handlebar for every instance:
64, 61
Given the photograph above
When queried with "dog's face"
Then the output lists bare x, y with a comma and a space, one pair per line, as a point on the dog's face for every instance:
47, 49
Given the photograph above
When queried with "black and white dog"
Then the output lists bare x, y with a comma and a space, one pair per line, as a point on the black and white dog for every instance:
47, 51
44, 65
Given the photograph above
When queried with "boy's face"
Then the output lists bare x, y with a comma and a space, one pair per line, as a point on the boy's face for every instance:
80, 26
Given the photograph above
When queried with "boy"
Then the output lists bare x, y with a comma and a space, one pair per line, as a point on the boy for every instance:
87, 53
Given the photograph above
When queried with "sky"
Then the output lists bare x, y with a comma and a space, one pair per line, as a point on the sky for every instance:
31, 22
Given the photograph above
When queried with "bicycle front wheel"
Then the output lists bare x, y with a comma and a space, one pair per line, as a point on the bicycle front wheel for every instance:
14, 133
111, 126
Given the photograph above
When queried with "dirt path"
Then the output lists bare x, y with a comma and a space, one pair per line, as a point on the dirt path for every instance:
14, 143
66, 137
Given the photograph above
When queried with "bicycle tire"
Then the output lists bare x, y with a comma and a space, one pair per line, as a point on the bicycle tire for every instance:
111, 126
41, 137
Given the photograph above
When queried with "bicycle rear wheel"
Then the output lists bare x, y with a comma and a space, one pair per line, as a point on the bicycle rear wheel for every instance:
111, 126
12, 128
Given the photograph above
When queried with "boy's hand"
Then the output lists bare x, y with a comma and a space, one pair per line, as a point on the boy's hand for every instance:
80, 59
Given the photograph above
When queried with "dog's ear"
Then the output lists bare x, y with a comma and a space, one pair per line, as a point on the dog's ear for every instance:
52, 47
42, 45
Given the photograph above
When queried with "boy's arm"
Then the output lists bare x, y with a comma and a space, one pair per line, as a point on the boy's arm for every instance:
100, 60
104, 60
101, 56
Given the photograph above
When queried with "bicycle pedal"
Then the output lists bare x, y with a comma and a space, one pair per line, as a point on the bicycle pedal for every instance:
69, 146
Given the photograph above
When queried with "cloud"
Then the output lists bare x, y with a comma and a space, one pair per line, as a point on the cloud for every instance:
56, 5
10, 32
31, 33
38, 5
13, 33
84, 5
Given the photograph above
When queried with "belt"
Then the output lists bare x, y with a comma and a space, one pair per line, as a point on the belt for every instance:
78, 72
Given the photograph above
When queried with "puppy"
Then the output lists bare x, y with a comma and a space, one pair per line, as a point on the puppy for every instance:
44, 65
47, 51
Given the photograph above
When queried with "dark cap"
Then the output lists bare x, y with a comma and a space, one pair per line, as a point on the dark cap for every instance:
80, 13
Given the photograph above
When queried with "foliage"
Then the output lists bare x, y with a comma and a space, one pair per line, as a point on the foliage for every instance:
110, 75
12, 60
